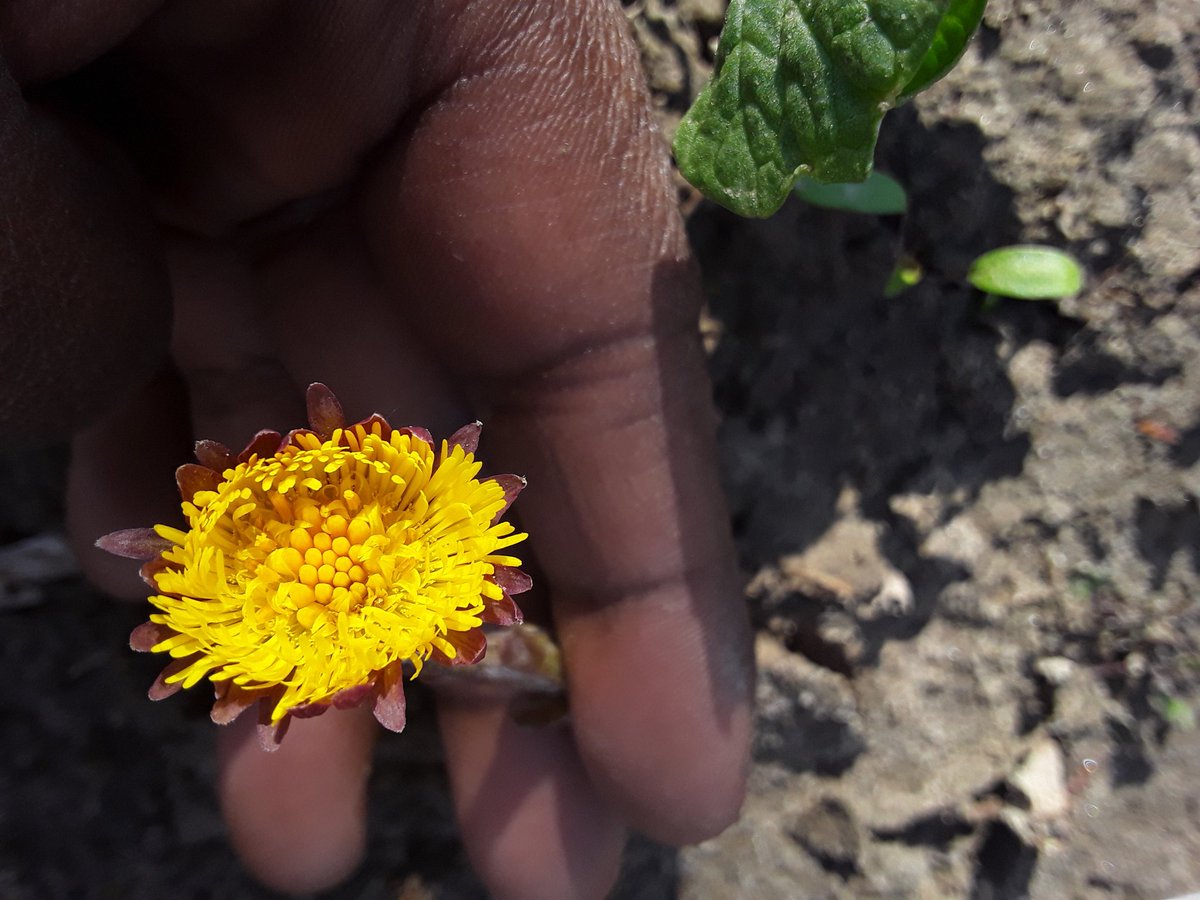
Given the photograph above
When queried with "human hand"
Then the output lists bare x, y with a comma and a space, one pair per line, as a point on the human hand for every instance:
444, 210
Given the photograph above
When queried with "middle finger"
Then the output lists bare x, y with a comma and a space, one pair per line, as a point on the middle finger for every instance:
521, 794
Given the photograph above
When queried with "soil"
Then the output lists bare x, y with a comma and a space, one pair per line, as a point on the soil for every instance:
970, 529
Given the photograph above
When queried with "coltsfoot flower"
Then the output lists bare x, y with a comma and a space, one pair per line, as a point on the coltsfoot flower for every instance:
316, 564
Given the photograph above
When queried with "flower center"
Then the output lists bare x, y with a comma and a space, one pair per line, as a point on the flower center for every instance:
327, 567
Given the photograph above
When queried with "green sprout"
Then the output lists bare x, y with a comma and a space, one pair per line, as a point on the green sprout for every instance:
795, 104
1177, 713
908, 273
1026, 272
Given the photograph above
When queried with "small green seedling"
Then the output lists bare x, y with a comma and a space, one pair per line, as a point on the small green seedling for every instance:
1083, 585
908, 273
801, 86
879, 195
1178, 713
1026, 272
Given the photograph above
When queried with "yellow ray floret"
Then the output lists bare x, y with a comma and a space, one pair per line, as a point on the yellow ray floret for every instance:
318, 566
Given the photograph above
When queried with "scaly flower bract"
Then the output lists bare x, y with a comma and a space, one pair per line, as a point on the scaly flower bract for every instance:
314, 565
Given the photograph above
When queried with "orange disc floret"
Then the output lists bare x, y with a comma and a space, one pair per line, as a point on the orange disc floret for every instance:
313, 566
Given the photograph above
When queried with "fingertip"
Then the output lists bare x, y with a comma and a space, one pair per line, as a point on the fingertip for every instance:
667, 745
694, 797
688, 804
531, 820
297, 816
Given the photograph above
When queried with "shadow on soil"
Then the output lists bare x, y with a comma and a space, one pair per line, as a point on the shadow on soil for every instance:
825, 385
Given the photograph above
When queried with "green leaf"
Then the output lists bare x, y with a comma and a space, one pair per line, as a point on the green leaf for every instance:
799, 89
954, 32
1028, 272
908, 273
879, 195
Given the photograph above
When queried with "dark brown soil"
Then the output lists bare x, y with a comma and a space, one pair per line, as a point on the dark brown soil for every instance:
971, 529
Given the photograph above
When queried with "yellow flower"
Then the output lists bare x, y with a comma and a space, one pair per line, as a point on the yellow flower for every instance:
314, 566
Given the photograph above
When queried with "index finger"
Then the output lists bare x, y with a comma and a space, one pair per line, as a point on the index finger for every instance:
530, 207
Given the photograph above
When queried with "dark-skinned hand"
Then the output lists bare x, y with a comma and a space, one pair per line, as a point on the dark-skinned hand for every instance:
443, 209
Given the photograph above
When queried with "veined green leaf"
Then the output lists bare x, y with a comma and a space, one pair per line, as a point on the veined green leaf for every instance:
1026, 272
799, 89
954, 32
879, 195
